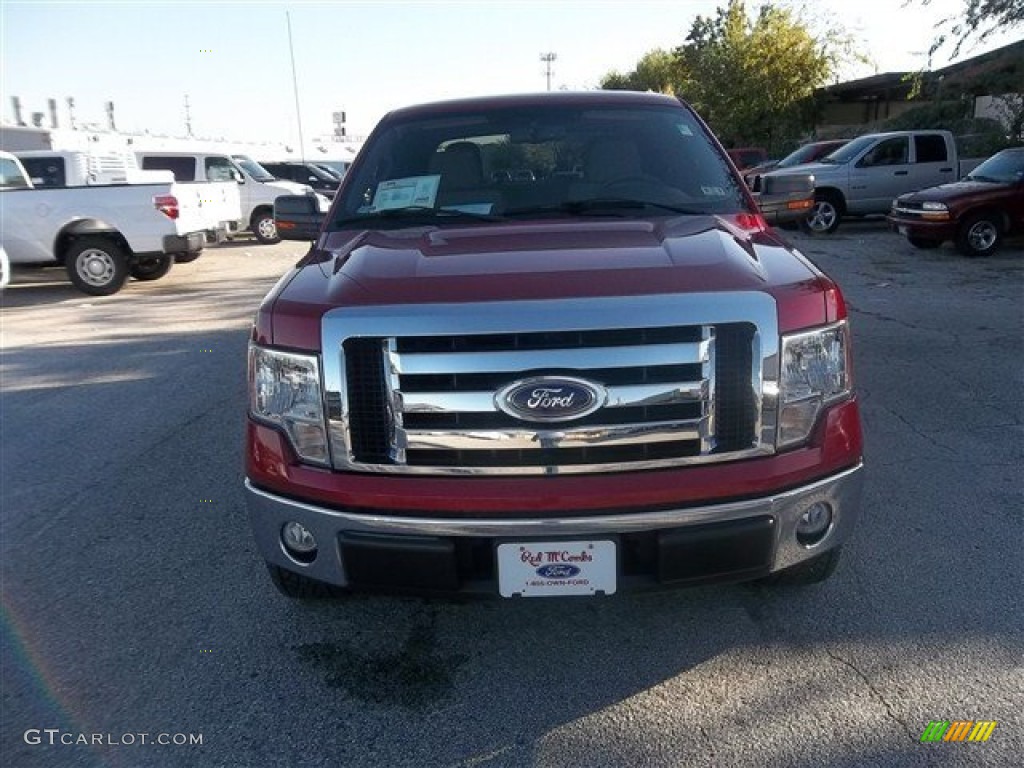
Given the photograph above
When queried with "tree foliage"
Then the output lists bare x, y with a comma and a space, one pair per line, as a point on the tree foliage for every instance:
658, 70
749, 75
976, 22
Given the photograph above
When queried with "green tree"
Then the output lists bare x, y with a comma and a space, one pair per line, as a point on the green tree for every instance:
750, 76
977, 20
658, 70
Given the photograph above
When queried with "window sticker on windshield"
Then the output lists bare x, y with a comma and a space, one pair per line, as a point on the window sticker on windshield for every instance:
405, 193
713, 191
684, 129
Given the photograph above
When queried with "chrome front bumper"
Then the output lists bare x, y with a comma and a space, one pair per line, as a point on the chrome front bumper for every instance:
269, 512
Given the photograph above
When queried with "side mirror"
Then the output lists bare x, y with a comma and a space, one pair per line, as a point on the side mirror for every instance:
298, 217
238, 177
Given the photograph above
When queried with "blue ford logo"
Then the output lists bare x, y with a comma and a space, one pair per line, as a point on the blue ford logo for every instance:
550, 398
558, 571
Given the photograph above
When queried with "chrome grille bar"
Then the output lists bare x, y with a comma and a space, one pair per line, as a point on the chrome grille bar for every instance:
587, 437
526, 359
618, 397
440, 368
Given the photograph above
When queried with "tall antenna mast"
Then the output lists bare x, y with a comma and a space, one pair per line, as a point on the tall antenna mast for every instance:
295, 85
188, 118
547, 58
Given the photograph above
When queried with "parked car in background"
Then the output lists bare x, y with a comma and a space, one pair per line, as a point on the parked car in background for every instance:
808, 153
336, 172
747, 157
100, 234
257, 188
219, 202
324, 182
976, 213
864, 176
339, 167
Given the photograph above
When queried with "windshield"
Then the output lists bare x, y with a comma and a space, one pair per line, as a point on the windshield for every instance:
847, 152
254, 169
324, 175
1006, 167
539, 161
804, 154
336, 168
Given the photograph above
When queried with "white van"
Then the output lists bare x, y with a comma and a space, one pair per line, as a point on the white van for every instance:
257, 188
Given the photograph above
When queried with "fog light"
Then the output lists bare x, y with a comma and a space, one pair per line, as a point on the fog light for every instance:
814, 524
299, 541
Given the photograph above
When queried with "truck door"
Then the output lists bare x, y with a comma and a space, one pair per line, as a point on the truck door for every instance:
25, 232
880, 175
932, 162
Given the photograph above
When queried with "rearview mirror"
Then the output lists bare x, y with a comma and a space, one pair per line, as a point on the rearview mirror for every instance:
298, 217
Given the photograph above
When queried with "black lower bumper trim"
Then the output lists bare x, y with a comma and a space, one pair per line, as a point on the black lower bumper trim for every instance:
698, 554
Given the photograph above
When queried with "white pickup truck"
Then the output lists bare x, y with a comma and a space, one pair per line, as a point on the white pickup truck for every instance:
219, 201
100, 234
865, 175
257, 188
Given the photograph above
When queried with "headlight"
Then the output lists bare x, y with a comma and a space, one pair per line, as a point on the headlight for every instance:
815, 373
284, 391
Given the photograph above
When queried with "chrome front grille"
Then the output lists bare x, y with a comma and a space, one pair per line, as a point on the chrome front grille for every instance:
422, 398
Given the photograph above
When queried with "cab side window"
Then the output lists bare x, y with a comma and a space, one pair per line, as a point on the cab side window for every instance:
895, 151
930, 148
183, 168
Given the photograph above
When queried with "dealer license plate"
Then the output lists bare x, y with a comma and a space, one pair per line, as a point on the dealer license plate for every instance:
556, 568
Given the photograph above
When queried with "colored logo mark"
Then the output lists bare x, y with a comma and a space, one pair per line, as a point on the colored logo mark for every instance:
958, 730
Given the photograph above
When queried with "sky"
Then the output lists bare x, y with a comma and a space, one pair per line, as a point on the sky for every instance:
231, 59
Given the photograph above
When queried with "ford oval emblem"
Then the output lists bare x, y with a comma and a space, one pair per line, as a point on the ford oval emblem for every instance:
550, 398
558, 571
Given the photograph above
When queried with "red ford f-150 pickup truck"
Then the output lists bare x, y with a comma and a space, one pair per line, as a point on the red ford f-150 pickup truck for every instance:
546, 345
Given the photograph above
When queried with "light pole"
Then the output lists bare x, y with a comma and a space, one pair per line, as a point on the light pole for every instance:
547, 58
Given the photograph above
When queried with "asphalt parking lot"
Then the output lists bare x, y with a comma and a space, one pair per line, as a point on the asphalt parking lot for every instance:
134, 601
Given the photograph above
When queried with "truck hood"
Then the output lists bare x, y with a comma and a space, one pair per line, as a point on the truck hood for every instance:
953, 190
286, 187
541, 260
818, 170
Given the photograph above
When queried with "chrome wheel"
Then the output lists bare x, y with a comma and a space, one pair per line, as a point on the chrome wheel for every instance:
982, 235
823, 217
266, 230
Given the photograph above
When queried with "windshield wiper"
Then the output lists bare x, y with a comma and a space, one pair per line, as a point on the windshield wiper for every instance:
989, 179
602, 206
416, 213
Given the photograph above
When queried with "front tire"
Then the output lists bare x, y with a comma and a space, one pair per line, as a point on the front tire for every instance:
96, 265
980, 235
825, 214
264, 228
153, 269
